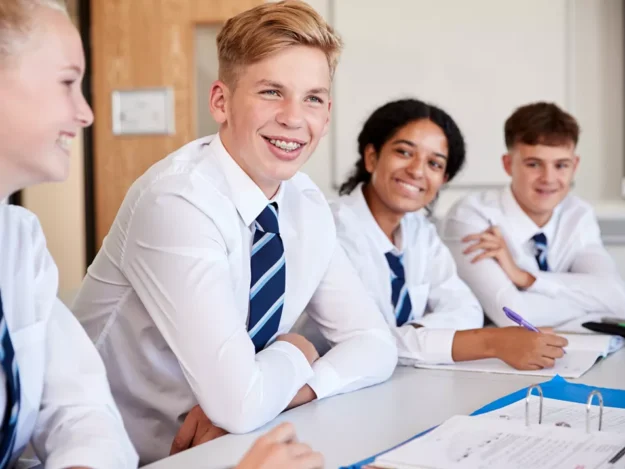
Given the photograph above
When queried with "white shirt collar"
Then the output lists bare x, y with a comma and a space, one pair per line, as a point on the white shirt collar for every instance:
371, 225
524, 226
247, 197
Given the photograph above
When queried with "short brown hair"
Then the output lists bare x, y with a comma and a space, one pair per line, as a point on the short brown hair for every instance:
257, 33
16, 21
541, 124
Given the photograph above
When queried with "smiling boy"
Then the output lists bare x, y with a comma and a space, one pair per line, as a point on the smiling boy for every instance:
219, 248
532, 246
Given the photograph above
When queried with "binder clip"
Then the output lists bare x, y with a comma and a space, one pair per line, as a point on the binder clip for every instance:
589, 405
589, 401
527, 404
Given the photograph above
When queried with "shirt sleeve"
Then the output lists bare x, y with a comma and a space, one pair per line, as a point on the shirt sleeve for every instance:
451, 307
176, 261
363, 350
78, 423
495, 290
593, 281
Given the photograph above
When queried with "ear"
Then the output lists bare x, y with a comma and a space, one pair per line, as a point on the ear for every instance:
218, 99
326, 126
507, 163
371, 158
575, 163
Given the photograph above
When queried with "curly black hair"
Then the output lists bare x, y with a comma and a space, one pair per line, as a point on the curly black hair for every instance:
388, 119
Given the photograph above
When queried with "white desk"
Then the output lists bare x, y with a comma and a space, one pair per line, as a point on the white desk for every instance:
351, 427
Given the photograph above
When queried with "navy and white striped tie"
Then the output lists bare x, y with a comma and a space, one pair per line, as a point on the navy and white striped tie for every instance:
268, 278
399, 297
12, 408
540, 251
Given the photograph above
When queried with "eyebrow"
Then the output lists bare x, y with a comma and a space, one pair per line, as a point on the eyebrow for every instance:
280, 86
414, 145
534, 158
74, 68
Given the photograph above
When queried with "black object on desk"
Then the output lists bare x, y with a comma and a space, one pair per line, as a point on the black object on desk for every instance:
605, 328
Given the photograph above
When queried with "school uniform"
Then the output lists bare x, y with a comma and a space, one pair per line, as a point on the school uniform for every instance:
53, 387
575, 275
171, 299
413, 280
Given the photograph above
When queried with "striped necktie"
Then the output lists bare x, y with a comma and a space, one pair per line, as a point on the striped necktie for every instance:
12, 408
267, 286
540, 251
399, 297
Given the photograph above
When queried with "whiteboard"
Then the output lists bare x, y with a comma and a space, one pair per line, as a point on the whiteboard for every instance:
477, 59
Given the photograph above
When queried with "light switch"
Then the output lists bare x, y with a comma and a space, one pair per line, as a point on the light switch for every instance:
146, 111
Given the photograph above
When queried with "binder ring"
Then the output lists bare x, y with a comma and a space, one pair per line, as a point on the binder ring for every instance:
527, 404
588, 407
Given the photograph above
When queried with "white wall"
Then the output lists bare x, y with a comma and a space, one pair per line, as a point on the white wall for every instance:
595, 95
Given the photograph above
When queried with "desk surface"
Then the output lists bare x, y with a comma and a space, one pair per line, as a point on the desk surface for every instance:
351, 427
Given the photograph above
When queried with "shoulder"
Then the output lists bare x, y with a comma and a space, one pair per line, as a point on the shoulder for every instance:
475, 204
576, 208
28, 274
19, 229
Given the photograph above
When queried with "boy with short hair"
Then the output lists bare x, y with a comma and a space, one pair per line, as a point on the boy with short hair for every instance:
532, 246
218, 249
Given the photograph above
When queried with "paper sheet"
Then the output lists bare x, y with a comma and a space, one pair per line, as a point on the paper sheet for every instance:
581, 354
469, 443
562, 413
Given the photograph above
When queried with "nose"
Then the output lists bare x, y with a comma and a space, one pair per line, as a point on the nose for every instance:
548, 173
290, 114
416, 167
84, 114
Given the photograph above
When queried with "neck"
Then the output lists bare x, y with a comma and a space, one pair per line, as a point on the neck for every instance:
539, 218
269, 187
9, 183
387, 220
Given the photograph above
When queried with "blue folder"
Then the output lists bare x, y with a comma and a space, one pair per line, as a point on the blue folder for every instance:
556, 388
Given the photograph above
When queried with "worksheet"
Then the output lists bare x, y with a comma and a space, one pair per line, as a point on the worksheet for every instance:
562, 413
480, 443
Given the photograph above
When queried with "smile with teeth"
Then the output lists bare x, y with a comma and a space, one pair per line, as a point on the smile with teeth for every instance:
410, 186
65, 142
286, 146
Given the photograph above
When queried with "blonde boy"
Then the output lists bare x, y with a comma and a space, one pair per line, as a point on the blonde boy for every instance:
218, 249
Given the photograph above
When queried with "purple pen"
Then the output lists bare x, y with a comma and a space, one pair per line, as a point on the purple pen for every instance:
519, 320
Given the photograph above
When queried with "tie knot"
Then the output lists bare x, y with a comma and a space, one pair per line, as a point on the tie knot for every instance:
267, 221
395, 263
540, 240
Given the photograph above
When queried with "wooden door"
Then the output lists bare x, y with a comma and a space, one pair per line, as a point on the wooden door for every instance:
136, 44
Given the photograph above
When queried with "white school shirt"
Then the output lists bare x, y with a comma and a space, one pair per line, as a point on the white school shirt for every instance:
583, 278
441, 302
67, 410
167, 301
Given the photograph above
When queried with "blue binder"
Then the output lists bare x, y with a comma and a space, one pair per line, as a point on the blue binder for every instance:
556, 388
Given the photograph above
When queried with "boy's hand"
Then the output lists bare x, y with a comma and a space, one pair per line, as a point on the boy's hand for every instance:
195, 430
493, 246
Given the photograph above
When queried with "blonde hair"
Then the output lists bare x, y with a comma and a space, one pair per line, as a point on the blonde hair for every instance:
251, 36
16, 22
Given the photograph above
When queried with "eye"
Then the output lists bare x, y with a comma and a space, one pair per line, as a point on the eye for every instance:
435, 164
404, 153
69, 83
315, 99
562, 165
270, 92
532, 164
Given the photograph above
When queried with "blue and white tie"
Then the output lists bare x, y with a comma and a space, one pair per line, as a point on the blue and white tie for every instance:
399, 296
540, 251
268, 278
11, 411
